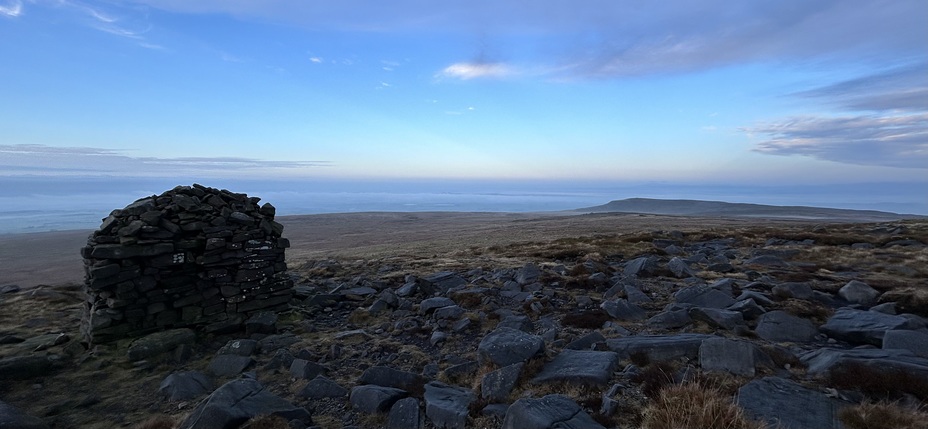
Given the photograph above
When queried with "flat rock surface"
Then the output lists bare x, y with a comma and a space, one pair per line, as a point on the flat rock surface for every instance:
579, 367
791, 406
862, 327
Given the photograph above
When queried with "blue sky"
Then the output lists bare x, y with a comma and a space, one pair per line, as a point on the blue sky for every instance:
789, 92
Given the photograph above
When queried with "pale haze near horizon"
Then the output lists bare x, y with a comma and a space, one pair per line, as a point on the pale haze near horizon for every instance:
794, 102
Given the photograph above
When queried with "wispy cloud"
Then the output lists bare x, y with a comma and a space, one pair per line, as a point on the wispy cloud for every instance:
467, 71
11, 8
895, 141
900, 89
36, 159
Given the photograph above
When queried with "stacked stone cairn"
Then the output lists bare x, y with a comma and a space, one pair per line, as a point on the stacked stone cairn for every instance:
191, 257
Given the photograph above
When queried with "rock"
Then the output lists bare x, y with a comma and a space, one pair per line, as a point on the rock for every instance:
781, 326
640, 267
585, 367
24, 367
13, 418
528, 274
437, 337
722, 354
229, 365
586, 342
862, 327
748, 308
451, 312
447, 406
239, 347
282, 359
496, 385
821, 361
390, 377
635, 295
405, 414
658, 347
237, 401
506, 346
858, 292
522, 323
322, 387
623, 310
680, 268
305, 369
767, 261
185, 385
264, 322
372, 399
441, 282
913, 341
725, 319
461, 370
793, 290
160, 342
786, 404
670, 319
703, 296
549, 412
429, 305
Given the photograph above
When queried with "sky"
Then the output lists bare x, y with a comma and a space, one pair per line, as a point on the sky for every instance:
787, 93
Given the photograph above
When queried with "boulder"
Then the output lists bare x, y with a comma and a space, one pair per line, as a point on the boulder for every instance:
724, 319
913, 341
322, 387
722, 354
793, 290
160, 342
405, 414
305, 369
749, 309
185, 385
24, 367
639, 267
236, 402
585, 367
447, 406
785, 404
229, 365
822, 361
372, 399
520, 322
658, 347
506, 346
858, 292
703, 296
429, 305
670, 319
496, 385
528, 274
241, 347
782, 326
862, 327
635, 295
623, 310
390, 377
680, 268
549, 412
586, 342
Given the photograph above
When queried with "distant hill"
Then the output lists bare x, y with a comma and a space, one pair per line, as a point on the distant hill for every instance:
723, 209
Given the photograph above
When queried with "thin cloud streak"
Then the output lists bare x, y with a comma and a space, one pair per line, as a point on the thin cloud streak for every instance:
894, 141
35, 159
467, 71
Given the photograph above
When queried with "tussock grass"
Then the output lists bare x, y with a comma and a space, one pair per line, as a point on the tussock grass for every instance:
882, 415
655, 377
694, 406
878, 382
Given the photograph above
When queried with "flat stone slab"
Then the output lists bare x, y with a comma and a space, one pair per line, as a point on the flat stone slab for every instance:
549, 412
782, 402
658, 347
703, 296
184, 386
372, 399
391, 377
623, 310
160, 342
237, 401
913, 341
579, 367
716, 318
824, 360
447, 406
506, 346
782, 326
722, 354
496, 385
862, 327
322, 387
229, 365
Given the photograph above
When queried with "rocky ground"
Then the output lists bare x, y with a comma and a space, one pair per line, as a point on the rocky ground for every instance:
801, 325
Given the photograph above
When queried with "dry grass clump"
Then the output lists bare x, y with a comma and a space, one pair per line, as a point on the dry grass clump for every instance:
157, 422
655, 377
882, 415
693, 406
877, 382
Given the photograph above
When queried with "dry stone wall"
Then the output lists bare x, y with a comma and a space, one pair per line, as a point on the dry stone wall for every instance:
192, 256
